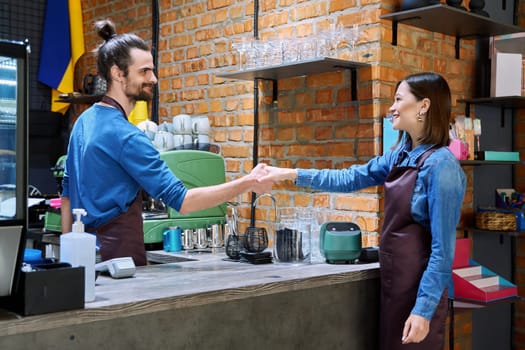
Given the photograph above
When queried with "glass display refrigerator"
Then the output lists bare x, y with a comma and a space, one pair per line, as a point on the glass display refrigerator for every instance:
14, 62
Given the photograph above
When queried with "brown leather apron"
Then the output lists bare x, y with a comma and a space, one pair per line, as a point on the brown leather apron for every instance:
404, 253
124, 235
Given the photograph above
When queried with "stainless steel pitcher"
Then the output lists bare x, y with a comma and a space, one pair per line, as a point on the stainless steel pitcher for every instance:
201, 240
187, 239
216, 236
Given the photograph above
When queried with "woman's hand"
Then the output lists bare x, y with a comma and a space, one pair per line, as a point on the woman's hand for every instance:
275, 174
416, 329
257, 173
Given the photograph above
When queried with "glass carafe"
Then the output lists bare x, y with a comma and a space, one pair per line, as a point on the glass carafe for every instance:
293, 236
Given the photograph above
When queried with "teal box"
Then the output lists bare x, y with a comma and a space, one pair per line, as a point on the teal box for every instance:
502, 156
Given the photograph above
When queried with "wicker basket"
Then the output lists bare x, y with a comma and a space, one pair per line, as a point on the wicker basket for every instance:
496, 221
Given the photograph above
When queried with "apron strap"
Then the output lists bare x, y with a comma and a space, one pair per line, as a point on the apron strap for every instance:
114, 103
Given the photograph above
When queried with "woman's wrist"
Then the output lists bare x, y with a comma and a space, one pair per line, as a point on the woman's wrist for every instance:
292, 174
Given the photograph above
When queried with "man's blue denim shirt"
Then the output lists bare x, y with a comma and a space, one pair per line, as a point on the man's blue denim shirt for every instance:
436, 204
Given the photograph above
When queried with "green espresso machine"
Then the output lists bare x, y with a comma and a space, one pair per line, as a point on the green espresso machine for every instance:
195, 169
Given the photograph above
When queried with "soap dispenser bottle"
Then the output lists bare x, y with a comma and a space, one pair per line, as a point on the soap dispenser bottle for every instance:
79, 249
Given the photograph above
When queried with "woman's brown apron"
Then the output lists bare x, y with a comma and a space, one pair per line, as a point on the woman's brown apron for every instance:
124, 235
404, 253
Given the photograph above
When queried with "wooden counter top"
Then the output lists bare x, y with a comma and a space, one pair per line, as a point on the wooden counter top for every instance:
209, 279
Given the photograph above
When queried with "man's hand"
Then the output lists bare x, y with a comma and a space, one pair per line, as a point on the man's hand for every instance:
416, 329
257, 173
275, 174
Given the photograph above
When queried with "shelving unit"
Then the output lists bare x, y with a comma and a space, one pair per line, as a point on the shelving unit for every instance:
295, 69
494, 249
448, 20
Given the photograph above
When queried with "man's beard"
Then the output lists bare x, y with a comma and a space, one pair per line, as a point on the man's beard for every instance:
142, 94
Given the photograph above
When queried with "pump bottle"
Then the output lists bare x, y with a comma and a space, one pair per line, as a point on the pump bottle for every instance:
79, 249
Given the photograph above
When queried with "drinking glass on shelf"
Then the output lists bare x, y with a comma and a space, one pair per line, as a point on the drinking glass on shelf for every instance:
271, 52
324, 44
352, 37
308, 48
255, 54
290, 50
243, 46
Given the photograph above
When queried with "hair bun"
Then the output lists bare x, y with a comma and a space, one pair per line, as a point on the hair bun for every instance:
105, 29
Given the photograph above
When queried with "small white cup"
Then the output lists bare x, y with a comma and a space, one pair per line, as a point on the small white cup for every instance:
163, 141
202, 142
150, 134
178, 141
187, 141
147, 125
149, 128
201, 125
203, 139
181, 123
165, 126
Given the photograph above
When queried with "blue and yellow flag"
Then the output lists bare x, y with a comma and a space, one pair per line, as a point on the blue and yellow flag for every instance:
62, 46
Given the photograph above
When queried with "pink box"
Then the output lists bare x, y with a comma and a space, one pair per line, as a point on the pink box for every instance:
459, 149
475, 282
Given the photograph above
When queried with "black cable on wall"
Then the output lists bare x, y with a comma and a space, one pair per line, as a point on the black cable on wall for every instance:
155, 52
255, 110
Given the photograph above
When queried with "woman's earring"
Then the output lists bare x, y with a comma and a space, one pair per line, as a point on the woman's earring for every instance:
419, 114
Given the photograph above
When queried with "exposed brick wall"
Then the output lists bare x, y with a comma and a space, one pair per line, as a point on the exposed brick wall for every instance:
314, 122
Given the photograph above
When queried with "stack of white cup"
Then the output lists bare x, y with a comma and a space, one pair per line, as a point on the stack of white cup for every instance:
182, 135
201, 130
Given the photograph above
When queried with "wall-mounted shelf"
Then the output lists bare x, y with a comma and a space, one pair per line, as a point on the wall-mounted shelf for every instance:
517, 234
80, 99
503, 102
295, 69
448, 20
488, 162
469, 305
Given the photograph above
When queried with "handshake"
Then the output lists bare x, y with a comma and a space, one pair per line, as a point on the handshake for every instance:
265, 176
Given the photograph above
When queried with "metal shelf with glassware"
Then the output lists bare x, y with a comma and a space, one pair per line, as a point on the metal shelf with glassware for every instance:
297, 68
274, 59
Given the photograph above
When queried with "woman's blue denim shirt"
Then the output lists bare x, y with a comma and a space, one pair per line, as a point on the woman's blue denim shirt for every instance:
436, 204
